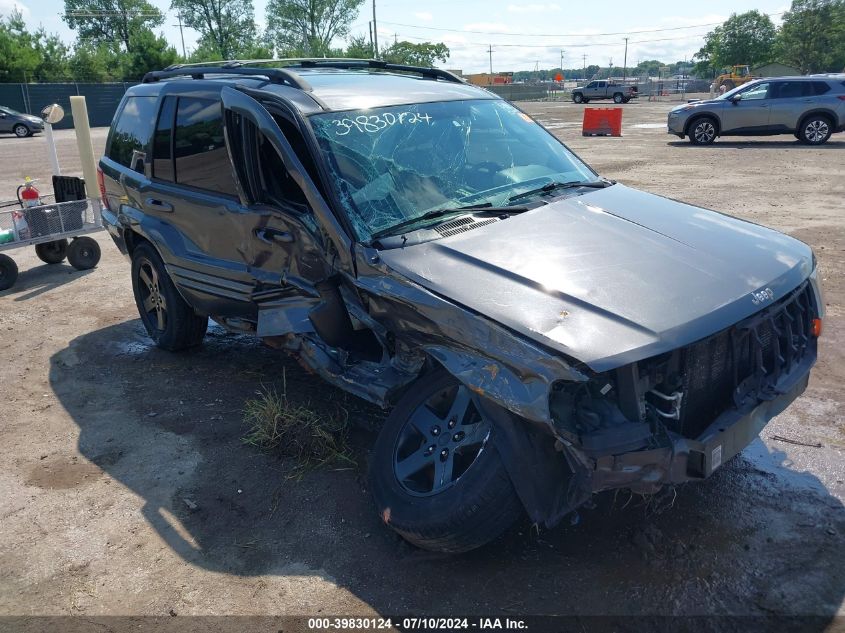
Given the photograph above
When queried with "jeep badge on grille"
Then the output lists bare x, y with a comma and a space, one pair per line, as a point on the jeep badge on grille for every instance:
761, 296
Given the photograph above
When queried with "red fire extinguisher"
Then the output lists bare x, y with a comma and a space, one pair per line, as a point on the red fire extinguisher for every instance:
28, 195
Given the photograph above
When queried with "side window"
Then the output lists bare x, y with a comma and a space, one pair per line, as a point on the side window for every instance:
819, 88
788, 89
163, 141
602, 84
755, 93
277, 185
131, 134
592, 84
199, 148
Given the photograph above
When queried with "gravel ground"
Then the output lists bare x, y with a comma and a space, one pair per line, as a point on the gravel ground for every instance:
127, 489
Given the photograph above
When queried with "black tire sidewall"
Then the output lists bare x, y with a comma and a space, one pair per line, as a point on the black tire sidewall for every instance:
10, 270
578, 97
620, 99
691, 130
80, 261
49, 257
410, 515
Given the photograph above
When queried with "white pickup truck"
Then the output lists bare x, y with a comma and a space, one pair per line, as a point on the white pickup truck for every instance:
604, 89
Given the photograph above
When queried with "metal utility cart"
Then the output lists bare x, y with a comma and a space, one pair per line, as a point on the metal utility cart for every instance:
48, 227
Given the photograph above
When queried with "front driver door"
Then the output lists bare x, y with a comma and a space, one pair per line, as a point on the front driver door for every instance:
296, 243
5, 121
749, 113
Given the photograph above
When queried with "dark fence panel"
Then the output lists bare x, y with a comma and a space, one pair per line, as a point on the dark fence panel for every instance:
102, 99
519, 92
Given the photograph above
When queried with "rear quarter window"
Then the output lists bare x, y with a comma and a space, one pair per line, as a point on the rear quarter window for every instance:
202, 159
132, 132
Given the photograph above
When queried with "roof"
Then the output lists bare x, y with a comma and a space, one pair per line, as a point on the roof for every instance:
321, 85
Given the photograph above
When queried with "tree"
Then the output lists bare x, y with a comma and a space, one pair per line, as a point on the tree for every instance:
812, 36
111, 21
30, 56
359, 47
227, 27
308, 27
151, 52
744, 38
422, 54
94, 62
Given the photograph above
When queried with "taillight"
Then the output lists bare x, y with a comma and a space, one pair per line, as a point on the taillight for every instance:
840, 97
101, 182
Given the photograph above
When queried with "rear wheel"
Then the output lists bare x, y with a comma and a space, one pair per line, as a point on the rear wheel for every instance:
702, 131
83, 253
168, 319
436, 476
815, 130
618, 98
728, 84
8, 272
21, 131
52, 252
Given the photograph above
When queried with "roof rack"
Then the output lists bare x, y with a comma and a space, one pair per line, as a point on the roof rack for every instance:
240, 66
198, 71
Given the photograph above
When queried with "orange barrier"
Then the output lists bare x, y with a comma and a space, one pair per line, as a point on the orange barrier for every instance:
602, 122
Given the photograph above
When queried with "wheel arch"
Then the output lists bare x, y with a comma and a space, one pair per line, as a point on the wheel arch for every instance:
830, 114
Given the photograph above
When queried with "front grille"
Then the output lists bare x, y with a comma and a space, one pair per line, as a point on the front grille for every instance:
745, 362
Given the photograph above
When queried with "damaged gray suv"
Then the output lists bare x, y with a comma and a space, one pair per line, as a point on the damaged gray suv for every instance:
541, 333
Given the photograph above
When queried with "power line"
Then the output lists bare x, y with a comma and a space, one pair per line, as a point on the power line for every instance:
672, 28
552, 45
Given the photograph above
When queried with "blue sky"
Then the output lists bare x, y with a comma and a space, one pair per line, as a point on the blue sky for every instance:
523, 33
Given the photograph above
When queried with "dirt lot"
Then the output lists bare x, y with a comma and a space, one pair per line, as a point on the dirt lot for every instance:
127, 489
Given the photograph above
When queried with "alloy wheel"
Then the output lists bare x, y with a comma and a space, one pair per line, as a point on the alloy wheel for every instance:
21, 131
153, 300
440, 441
816, 130
704, 132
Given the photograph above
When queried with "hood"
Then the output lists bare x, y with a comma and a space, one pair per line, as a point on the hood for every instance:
612, 276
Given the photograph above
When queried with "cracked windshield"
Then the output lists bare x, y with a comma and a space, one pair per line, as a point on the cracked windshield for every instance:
398, 163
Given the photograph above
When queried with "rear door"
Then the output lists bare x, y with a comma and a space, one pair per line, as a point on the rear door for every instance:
192, 205
789, 100
296, 243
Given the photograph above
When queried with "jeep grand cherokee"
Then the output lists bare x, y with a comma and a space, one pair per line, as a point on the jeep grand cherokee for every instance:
541, 333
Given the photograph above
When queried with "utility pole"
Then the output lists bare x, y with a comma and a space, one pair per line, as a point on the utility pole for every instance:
370, 24
490, 52
395, 40
375, 31
561, 61
625, 69
584, 57
181, 34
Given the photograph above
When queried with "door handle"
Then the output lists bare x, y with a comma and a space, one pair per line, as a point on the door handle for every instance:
273, 235
159, 205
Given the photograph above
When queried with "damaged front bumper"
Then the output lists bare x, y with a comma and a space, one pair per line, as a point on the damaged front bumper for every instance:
686, 459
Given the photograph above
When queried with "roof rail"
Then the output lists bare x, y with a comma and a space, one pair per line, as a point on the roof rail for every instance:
198, 71
348, 63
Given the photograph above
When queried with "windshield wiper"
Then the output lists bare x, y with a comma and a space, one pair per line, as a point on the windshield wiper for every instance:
555, 184
487, 207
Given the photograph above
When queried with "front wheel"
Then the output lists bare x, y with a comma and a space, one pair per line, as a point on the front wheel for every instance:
436, 476
83, 253
578, 97
815, 130
168, 319
8, 272
702, 131
52, 252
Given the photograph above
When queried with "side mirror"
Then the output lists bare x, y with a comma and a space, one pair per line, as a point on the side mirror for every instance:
736, 99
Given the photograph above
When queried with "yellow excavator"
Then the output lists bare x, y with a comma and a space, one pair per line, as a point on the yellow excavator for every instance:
736, 76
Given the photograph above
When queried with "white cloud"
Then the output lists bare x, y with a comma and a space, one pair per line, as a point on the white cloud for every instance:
533, 8
425, 16
7, 6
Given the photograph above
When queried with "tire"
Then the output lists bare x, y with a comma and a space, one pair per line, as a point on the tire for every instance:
52, 252
815, 129
21, 131
452, 504
169, 320
618, 98
8, 272
728, 84
702, 131
577, 97
586, 101
83, 253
